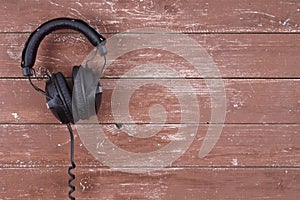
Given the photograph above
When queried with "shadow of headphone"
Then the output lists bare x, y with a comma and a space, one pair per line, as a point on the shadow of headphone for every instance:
57, 92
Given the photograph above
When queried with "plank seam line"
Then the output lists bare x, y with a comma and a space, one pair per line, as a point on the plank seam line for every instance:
150, 167
203, 123
175, 33
174, 78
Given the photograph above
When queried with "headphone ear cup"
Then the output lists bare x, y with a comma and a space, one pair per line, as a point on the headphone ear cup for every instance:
84, 100
61, 101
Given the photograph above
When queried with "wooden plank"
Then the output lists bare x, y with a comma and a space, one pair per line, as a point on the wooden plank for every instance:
192, 16
248, 101
203, 183
235, 55
238, 145
257, 155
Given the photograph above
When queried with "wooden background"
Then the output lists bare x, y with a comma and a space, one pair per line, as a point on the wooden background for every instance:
255, 45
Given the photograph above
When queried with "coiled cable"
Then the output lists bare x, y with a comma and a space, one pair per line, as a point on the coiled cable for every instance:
73, 166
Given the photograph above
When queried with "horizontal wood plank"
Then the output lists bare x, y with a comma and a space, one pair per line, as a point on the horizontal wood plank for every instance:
238, 146
235, 55
248, 101
255, 46
203, 183
189, 16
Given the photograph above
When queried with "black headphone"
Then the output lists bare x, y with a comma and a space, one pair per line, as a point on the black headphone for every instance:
57, 92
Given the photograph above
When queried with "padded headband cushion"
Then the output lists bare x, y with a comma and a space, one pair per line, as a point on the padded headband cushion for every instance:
34, 40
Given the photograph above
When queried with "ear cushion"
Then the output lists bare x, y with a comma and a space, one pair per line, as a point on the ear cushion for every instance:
84, 98
64, 93
79, 103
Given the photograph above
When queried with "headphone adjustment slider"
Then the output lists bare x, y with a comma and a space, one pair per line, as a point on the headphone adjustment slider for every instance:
102, 49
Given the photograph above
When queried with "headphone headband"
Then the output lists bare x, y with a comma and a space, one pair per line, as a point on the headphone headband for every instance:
34, 40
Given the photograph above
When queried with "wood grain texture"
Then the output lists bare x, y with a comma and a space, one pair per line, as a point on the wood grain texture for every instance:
235, 55
181, 183
248, 101
33, 146
255, 47
188, 16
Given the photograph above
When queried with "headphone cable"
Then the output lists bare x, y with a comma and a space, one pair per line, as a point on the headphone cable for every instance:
73, 166
38, 89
